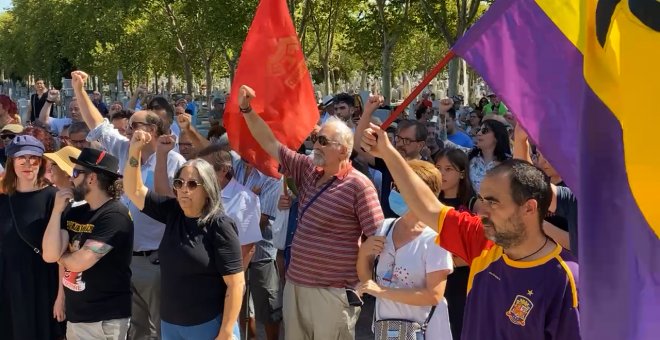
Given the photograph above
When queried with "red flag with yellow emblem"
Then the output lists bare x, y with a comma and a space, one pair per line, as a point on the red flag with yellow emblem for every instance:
272, 63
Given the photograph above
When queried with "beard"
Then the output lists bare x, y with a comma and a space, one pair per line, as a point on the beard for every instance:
80, 191
317, 158
508, 235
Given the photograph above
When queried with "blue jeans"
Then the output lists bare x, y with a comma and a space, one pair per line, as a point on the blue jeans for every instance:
206, 331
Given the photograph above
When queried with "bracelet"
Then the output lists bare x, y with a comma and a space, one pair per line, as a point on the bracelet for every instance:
50, 101
245, 110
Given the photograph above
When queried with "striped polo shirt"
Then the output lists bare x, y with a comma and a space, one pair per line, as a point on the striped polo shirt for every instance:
509, 299
325, 246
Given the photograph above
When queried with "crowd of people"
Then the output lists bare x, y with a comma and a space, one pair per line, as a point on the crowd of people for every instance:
127, 222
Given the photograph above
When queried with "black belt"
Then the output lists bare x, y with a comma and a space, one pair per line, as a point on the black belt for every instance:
144, 253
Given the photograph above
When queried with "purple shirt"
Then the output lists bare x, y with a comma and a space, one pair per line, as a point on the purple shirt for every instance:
510, 299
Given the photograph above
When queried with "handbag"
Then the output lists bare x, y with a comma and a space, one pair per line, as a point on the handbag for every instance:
398, 329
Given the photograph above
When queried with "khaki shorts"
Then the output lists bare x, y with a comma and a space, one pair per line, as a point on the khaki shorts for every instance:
318, 313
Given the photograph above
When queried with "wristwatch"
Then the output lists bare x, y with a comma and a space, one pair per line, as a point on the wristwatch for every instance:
245, 110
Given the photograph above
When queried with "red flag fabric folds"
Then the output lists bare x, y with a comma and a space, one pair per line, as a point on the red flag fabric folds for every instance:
272, 63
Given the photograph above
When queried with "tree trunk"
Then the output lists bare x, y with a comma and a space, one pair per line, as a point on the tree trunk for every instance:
326, 77
187, 71
386, 74
452, 82
363, 80
466, 81
209, 80
156, 89
232, 69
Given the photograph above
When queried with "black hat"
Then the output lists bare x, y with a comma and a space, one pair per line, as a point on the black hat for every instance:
98, 161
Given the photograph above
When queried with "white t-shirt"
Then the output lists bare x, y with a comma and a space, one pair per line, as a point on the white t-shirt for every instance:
407, 268
242, 206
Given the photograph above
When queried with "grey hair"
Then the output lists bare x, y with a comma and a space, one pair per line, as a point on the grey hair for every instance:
344, 133
213, 206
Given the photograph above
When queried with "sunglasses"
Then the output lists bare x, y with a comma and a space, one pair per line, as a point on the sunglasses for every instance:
7, 136
191, 185
323, 140
34, 160
135, 125
76, 172
484, 130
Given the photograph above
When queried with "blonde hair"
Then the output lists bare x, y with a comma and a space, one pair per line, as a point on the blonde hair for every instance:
428, 173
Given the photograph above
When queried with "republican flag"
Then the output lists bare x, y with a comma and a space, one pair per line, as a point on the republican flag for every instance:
582, 78
272, 63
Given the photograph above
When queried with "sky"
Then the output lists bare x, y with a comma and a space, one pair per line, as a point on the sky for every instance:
4, 4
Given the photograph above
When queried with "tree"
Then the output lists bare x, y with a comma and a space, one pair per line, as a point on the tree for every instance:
451, 23
392, 17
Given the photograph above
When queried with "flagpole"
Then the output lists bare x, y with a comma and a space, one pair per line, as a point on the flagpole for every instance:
434, 72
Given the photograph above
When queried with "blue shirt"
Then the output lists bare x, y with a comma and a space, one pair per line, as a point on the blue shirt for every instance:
192, 107
462, 139
269, 194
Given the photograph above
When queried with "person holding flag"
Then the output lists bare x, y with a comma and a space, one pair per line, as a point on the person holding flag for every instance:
338, 205
522, 284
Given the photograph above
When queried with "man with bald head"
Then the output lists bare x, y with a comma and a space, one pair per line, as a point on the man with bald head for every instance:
57, 124
145, 285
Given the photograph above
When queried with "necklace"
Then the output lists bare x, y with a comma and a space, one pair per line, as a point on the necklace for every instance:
534, 253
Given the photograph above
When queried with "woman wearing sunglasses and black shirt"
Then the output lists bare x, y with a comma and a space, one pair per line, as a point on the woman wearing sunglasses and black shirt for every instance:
202, 278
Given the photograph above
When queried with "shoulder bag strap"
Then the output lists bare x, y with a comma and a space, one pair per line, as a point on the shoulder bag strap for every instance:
373, 275
18, 230
325, 187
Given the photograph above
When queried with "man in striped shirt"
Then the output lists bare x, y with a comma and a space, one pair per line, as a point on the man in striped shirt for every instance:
338, 204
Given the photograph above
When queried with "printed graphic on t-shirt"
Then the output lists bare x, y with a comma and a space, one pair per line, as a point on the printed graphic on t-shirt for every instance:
74, 280
397, 277
520, 309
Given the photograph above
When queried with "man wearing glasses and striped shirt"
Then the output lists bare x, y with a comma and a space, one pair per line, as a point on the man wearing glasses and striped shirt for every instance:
338, 205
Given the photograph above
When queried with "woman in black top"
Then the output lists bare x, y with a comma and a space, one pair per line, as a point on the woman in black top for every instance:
456, 192
200, 254
30, 297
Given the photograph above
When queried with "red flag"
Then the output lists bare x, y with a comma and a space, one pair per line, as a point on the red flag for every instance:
272, 63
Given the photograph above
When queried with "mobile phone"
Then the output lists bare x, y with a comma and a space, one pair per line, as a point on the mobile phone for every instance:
353, 298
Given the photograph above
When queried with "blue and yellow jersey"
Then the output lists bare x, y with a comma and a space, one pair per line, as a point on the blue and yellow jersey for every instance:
510, 299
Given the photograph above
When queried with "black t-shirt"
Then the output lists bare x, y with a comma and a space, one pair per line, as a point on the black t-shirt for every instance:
37, 104
193, 260
566, 216
102, 292
379, 164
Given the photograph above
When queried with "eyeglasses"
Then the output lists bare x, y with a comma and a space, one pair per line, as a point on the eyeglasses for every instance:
404, 140
191, 184
135, 125
484, 130
77, 141
34, 160
7, 136
77, 172
323, 140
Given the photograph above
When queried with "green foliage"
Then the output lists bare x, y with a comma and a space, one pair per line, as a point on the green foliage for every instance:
195, 39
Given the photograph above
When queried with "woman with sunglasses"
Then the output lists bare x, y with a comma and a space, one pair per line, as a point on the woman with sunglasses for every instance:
412, 269
200, 254
493, 147
31, 303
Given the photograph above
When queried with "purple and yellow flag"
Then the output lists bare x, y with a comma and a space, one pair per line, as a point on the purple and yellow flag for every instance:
583, 79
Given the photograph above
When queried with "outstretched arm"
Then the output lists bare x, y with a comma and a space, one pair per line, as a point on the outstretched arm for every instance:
258, 127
